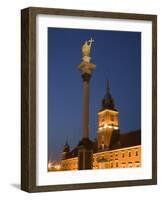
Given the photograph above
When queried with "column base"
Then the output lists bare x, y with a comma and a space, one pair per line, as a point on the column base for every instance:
85, 154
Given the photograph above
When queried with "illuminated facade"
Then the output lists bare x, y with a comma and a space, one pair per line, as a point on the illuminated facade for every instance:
111, 149
118, 158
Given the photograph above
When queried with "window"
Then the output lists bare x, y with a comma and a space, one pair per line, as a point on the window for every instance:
123, 155
112, 165
136, 153
137, 164
103, 137
102, 122
117, 164
112, 117
130, 164
129, 153
123, 165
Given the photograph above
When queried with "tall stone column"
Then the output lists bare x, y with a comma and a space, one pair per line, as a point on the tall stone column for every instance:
86, 78
85, 149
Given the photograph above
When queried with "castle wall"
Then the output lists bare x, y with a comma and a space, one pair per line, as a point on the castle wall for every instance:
69, 164
118, 158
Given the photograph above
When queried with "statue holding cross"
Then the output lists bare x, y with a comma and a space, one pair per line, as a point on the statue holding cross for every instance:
86, 48
86, 67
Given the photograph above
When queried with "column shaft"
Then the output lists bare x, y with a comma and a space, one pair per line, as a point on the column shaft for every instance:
85, 109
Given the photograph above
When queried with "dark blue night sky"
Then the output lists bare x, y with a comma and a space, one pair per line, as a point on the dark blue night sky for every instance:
117, 55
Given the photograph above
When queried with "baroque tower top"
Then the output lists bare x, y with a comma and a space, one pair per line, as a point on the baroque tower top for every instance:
107, 101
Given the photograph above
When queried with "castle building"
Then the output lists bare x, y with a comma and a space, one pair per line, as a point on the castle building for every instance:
111, 149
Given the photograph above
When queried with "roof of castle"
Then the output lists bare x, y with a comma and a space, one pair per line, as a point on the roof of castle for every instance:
118, 141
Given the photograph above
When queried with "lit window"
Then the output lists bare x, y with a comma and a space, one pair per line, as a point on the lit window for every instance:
102, 122
103, 137
123, 165
112, 117
130, 164
137, 164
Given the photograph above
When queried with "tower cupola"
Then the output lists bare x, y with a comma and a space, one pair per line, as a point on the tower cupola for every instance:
66, 151
66, 147
107, 101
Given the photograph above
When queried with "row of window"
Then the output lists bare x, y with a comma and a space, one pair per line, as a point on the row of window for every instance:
112, 117
129, 164
123, 154
117, 165
68, 165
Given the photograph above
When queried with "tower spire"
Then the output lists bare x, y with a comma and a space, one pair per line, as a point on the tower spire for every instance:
108, 102
66, 150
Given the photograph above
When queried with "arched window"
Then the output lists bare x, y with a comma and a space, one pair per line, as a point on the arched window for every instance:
112, 117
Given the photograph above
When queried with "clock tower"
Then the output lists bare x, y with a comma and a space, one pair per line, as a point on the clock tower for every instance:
107, 121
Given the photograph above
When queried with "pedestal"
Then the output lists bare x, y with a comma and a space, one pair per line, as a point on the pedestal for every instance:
85, 154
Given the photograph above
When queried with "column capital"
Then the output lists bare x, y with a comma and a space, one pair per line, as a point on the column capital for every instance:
86, 77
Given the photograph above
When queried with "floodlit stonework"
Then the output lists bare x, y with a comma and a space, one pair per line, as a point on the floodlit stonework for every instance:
118, 158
